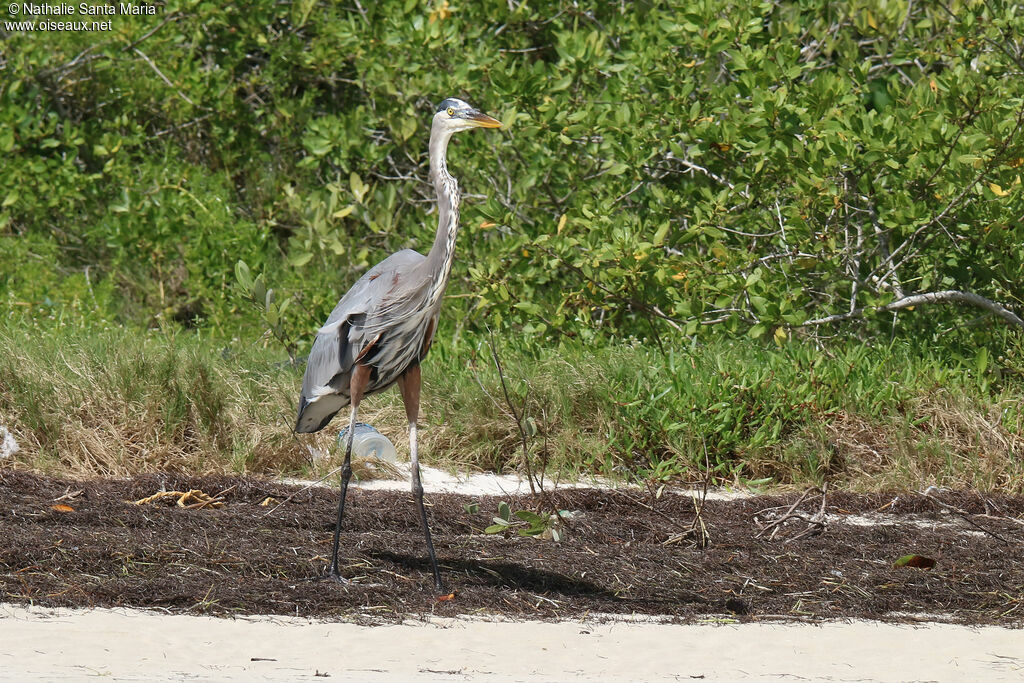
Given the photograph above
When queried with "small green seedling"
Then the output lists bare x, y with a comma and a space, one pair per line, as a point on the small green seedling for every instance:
527, 523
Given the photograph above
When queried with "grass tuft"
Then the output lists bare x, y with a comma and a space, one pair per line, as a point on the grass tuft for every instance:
118, 403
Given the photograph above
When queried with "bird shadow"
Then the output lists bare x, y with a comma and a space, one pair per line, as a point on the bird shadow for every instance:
505, 575
502, 574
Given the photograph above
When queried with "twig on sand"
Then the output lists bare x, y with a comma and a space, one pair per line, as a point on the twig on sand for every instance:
815, 524
698, 529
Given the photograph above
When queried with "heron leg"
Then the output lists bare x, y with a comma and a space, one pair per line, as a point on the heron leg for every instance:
357, 385
409, 386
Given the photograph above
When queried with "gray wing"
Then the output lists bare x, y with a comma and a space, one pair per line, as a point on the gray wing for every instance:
346, 334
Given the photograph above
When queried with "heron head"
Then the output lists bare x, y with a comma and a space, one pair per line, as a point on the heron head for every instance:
454, 115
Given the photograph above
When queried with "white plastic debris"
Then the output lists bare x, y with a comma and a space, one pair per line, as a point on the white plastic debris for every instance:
8, 446
368, 442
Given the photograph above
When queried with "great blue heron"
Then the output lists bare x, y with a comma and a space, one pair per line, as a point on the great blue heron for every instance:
383, 326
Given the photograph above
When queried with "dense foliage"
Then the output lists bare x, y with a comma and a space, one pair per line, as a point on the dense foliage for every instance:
666, 168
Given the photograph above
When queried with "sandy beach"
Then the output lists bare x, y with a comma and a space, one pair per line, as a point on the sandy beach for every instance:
123, 645
119, 644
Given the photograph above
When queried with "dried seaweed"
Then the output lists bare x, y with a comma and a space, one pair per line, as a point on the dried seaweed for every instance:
620, 557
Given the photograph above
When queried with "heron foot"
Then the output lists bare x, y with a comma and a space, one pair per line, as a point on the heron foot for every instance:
332, 575
337, 578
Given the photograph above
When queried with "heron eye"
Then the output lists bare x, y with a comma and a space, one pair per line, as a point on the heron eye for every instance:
451, 112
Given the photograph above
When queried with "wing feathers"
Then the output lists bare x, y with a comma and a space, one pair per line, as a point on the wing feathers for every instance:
385, 295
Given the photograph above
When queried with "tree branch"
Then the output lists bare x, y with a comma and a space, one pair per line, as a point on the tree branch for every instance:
924, 298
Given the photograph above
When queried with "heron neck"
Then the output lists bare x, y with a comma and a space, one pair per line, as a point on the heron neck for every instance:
442, 253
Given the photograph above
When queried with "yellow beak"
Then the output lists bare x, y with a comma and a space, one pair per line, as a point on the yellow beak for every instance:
483, 120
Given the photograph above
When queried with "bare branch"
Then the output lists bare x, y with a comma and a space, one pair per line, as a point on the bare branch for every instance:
949, 295
694, 167
164, 78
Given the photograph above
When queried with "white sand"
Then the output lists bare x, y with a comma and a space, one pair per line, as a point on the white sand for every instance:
119, 645
487, 483
439, 481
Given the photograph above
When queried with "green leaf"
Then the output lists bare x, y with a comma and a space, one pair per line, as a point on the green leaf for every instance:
981, 360
259, 290
529, 517
659, 236
504, 511
357, 186
243, 276
529, 307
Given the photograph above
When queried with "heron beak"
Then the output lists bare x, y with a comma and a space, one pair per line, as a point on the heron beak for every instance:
483, 120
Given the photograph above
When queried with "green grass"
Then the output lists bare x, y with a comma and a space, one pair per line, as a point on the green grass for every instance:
115, 401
